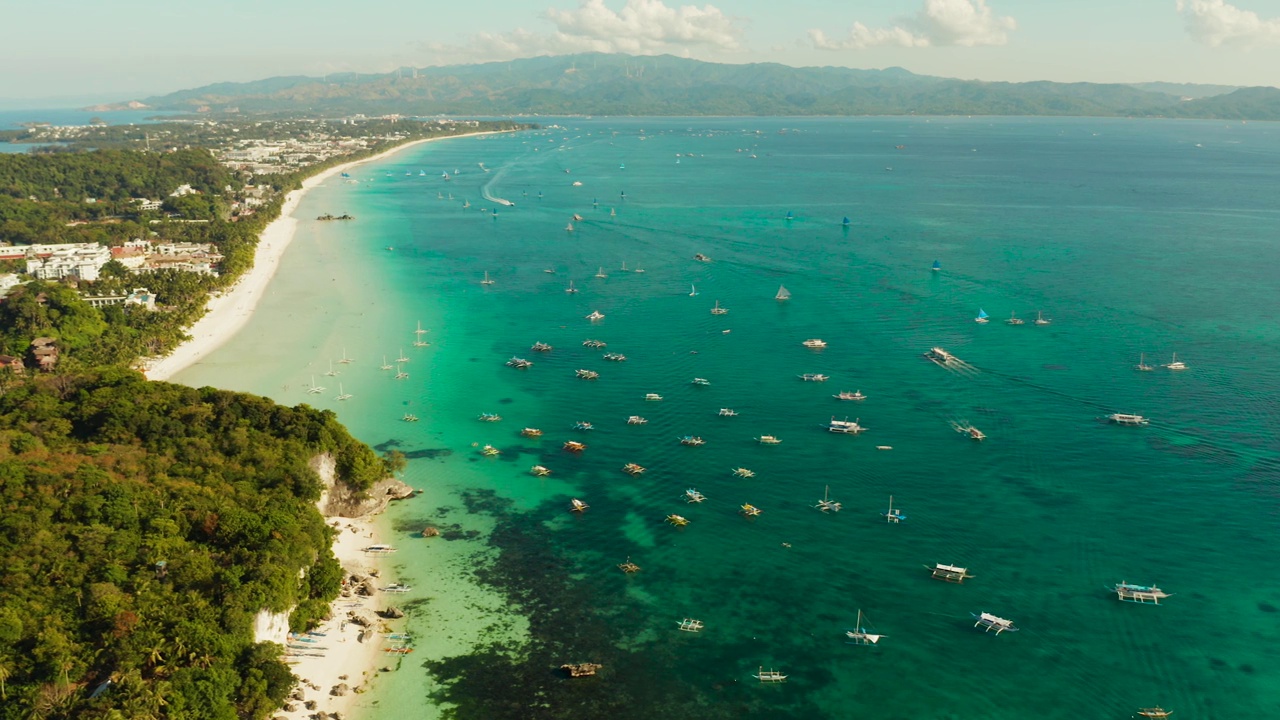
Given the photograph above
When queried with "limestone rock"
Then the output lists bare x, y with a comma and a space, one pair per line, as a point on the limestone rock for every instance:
340, 689
391, 613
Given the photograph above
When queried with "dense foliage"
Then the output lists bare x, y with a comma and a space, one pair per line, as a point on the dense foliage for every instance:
103, 477
603, 84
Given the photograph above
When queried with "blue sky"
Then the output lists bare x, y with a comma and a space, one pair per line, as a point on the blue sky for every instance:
73, 49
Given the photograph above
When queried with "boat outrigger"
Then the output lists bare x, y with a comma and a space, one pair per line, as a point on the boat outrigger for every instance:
991, 622
769, 676
1144, 594
597, 344
410, 417
700, 381
717, 310
583, 425
652, 396
540, 347
727, 412
859, 635
615, 357
490, 417
574, 446
531, 432
1014, 320
595, 315
967, 429
814, 377
588, 374
490, 450
982, 318
783, 294
941, 357
1154, 712
949, 573
519, 363
636, 420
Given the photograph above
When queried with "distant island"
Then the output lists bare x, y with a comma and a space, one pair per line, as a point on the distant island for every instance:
663, 85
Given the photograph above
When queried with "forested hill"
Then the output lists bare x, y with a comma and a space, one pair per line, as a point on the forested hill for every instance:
600, 84
142, 527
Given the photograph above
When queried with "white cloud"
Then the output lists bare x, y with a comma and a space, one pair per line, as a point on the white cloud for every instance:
641, 27
1215, 23
940, 22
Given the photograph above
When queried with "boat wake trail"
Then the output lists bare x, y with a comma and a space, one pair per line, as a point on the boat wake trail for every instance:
947, 361
487, 195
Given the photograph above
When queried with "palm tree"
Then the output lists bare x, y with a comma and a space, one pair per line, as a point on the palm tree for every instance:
5, 672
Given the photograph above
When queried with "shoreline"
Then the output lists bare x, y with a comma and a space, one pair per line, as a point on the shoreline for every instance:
229, 311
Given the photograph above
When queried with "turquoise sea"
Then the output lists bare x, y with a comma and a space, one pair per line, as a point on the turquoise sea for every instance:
1133, 236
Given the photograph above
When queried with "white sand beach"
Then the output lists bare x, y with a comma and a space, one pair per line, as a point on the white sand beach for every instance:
228, 312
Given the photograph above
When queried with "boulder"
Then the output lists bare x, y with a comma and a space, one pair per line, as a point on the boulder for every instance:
392, 613
339, 690
310, 704
290, 707
359, 619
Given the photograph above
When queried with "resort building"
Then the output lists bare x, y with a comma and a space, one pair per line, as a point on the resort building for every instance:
81, 261
139, 296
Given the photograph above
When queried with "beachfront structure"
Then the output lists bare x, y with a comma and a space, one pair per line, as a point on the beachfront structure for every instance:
81, 261
139, 296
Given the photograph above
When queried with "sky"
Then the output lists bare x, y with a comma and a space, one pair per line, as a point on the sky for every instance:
65, 52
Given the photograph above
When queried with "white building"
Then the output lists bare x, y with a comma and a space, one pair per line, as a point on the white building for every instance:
82, 261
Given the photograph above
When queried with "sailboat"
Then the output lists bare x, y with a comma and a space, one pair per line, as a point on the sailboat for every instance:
486, 280
783, 294
982, 317
624, 266
345, 360
401, 374
826, 503
892, 515
1040, 320
859, 635
1142, 363
402, 358
571, 289
420, 331
1176, 364
789, 217
385, 364
343, 395
717, 310
1014, 319
613, 213
314, 387
600, 272
693, 291
332, 372
937, 266
845, 222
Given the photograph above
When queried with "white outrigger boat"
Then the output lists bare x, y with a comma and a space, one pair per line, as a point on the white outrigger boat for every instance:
1144, 594
743, 473
991, 622
539, 471
893, 515
578, 506
678, 520
693, 496
949, 573
814, 377
859, 635
815, 343
750, 510
826, 504
727, 412
1126, 419
845, 426
691, 625
768, 440
846, 395
769, 676
379, 550
636, 420
595, 315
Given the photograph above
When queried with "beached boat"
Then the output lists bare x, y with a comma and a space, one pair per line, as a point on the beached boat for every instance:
814, 377
693, 496
341, 394
1144, 594
826, 504
490, 417
531, 432
540, 347
701, 258
597, 344
571, 289
636, 420
409, 417
700, 381
949, 573
769, 676
1142, 363
379, 550
615, 357
577, 505
539, 471
595, 315
1041, 319
982, 318
768, 440
782, 294
1014, 320
991, 622
859, 635
743, 472
652, 396
941, 357
893, 515
628, 567
1154, 712
587, 374
749, 510
490, 451
846, 395
574, 446
396, 588
844, 426
314, 389
398, 650
487, 280
1176, 364
583, 425
815, 343
692, 440
632, 469
1126, 419
717, 310
727, 412
678, 520
691, 625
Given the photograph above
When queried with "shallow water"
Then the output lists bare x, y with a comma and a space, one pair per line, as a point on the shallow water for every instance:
1133, 236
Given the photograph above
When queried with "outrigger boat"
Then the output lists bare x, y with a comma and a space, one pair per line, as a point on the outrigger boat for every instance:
692, 440
1125, 419
678, 520
398, 650
490, 417
1145, 594
859, 635
633, 469
490, 450
846, 395
636, 420
743, 472
652, 396
814, 377
844, 426
519, 363
693, 496
1155, 712
750, 510
966, 429
769, 676
768, 440
991, 622
691, 625
597, 344
700, 381
982, 318
628, 567
573, 446
588, 374
409, 417
379, 550
949, 573
940, 356
583, 425
540, 347
615, 357
728, 412
826, 503
595, 315
814, 343
539, 471
717, 310
531, 432
396, 588
577, 505
1014, 320
893, 515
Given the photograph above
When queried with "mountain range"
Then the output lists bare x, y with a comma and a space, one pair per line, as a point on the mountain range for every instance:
612, 84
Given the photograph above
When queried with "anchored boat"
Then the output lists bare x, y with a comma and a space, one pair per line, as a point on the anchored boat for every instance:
1145, 594
859, 635
991, 622
949, 573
